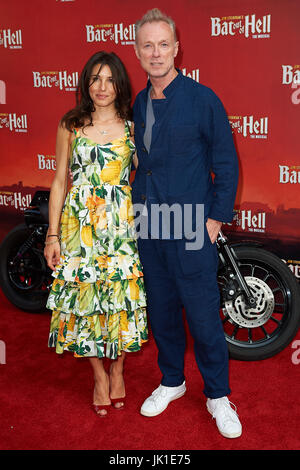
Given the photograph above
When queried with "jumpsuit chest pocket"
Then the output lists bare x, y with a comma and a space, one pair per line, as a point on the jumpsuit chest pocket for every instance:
183, 138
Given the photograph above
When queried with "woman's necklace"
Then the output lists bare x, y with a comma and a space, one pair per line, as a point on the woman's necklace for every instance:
104, 131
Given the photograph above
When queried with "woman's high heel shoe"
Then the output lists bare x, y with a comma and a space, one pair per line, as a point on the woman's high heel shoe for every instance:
99, 408
121, 399
114, 402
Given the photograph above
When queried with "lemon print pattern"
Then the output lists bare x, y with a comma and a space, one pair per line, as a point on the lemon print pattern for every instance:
98, 298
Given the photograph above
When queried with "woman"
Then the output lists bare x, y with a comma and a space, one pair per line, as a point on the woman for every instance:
97, 298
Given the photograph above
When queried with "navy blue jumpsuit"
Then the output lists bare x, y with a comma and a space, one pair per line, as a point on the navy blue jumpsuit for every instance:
191, 161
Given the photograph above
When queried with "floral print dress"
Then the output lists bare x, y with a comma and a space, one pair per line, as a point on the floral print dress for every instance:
98, 299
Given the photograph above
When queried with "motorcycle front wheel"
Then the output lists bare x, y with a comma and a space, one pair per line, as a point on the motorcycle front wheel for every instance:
253, 334
24, 276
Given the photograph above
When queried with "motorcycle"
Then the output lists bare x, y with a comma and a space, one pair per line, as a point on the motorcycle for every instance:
260, 300
25, 278
259, 295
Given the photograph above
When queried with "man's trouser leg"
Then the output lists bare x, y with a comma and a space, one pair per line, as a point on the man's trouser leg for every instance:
168, 288
196, 280
164, 312
200, 297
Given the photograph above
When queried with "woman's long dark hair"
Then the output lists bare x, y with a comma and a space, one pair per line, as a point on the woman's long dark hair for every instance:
80, 116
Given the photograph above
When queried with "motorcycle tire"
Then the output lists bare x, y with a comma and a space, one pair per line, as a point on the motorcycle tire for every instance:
262, 332
24, 280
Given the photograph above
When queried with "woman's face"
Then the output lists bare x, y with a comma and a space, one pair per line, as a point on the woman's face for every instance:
102, 89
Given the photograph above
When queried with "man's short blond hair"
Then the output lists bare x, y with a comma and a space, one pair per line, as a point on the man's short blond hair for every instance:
152, 16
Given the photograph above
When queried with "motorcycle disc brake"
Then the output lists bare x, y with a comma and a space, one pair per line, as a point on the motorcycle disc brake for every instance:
248, 317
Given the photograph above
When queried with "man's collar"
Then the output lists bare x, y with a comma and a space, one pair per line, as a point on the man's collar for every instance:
172, 85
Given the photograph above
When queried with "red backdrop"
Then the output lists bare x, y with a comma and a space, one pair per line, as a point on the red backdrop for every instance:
247, 52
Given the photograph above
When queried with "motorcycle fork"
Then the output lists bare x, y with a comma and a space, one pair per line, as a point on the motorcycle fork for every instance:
28, 243
228, 259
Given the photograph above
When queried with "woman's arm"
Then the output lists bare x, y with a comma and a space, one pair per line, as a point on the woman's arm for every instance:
57, 196
134, 158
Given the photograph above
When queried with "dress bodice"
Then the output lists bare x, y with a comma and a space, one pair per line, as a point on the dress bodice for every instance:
95, 164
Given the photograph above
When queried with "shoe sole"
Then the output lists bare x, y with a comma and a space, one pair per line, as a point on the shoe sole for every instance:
150, 415
229, 436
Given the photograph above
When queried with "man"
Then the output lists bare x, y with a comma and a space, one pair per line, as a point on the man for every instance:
182, 134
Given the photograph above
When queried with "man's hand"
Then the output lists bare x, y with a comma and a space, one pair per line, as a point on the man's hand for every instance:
213, 228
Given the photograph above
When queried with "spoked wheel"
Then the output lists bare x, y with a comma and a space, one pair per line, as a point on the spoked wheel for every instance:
260, 332
24, 276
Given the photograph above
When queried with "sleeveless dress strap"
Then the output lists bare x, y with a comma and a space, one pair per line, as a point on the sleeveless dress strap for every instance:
128, 125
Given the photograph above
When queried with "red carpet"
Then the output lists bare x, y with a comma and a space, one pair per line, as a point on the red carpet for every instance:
45, 399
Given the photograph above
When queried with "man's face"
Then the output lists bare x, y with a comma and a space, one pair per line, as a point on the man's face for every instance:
156, 48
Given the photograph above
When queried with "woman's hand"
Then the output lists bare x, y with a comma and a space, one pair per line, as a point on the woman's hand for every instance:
135, 161
52, 254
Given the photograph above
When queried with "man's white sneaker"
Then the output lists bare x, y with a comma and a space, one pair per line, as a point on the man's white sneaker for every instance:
226, 418
160, 398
